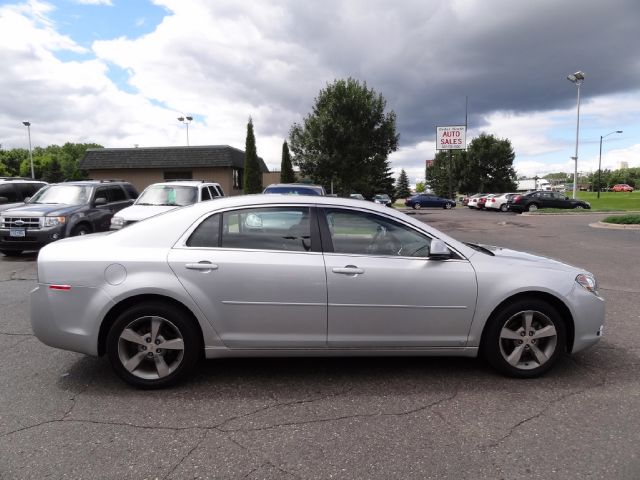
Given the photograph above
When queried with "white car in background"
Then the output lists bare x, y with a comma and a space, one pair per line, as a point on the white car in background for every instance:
498, 202
162, 197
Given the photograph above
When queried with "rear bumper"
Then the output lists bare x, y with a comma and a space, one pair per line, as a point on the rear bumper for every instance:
68, 319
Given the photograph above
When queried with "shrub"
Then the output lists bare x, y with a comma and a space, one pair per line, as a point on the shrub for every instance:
632, 219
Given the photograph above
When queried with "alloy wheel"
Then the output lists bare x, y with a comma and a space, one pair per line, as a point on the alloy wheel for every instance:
528, 340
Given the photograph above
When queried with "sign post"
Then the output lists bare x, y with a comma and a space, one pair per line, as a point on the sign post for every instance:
452, 137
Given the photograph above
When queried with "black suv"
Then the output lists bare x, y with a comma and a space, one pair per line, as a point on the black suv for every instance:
531, 202
14, 190
62, 210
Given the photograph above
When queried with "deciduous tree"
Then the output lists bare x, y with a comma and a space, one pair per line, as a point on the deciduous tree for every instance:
346, 139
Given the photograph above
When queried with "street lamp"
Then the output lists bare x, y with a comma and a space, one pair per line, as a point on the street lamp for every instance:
28, 125
576, 78
600, 158
186, 121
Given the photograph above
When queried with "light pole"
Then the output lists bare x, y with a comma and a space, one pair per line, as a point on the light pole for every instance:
28, 125
576, 78
600, 159
186, 121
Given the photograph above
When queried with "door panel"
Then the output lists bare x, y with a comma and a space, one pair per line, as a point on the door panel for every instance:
384, 292
260, 297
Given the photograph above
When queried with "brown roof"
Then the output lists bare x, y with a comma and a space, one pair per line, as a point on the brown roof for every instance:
165, 157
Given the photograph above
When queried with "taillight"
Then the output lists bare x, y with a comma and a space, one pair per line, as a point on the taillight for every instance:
516, 198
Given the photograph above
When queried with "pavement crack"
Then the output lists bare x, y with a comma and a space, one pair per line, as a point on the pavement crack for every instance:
188, 454
344, 417
265, 461
551, 404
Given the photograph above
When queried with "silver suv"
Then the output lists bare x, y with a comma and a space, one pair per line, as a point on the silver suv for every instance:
162, 197
14, 190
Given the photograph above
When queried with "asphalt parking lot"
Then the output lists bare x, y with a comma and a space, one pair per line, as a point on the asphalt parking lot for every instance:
64, 415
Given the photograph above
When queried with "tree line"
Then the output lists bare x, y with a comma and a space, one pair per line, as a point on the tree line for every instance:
52, 164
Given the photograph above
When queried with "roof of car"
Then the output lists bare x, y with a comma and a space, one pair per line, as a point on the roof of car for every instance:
184, 183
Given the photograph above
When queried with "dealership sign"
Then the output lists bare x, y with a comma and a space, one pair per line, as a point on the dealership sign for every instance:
451, 138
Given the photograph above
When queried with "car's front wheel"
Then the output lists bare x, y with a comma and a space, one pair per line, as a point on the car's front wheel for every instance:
524, 339
578, 207
153, 345
448, 206
80, 230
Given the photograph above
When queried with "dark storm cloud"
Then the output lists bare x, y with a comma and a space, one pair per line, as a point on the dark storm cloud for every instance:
425, 57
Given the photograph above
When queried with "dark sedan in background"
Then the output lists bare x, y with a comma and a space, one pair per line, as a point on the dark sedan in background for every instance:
428, 200
530, 202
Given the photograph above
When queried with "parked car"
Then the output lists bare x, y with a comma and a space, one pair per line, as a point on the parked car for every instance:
483, 200
295, 189
428, 200
15, 190
622, 187
533, 201
60, 210
264, 275
383, 199
357, 196
474, 199
498, 201
162, 197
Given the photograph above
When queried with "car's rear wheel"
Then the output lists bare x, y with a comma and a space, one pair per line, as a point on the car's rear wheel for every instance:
503, 207
524, 339
532, 208
11, 253
417, 206
153, 345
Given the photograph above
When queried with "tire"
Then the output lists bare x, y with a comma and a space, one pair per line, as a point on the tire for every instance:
447, 206
532, 207
417, 206
509, 350
578, 207
11, 253
80, 230
503, 207
136, 351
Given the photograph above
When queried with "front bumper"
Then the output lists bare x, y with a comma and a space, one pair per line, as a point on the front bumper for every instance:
34, 239
588, 314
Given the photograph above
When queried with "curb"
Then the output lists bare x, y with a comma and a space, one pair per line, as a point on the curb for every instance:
614, 226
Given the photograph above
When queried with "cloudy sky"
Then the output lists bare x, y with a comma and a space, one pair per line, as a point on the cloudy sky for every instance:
120, 72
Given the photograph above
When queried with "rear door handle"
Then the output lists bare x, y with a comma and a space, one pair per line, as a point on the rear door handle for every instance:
201, 266
348, 270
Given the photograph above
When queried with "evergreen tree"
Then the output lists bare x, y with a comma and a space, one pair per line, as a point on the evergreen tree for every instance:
252, 172
402, 186
287, 174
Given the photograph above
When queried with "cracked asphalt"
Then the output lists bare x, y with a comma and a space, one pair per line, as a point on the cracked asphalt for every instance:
65, 415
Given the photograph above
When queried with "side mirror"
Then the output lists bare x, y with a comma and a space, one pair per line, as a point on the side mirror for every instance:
100, 201
439, 250
26, 199
4, 199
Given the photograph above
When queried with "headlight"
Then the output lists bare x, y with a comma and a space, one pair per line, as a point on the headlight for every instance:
588, 282
54, 221
117, 222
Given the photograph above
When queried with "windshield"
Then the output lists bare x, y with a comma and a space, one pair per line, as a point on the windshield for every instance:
382, 197
173, 195
63, 194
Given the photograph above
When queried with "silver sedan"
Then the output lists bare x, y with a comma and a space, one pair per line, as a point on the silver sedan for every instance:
275, 275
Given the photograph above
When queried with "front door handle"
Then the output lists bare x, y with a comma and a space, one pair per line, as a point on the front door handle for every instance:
201, 266
348, 270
